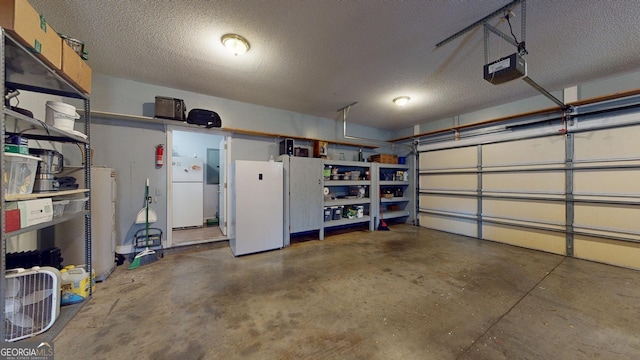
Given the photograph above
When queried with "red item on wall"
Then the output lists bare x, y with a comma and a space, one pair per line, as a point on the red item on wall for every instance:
159, 155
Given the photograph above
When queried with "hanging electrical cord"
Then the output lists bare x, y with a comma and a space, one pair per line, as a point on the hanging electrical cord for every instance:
520, 45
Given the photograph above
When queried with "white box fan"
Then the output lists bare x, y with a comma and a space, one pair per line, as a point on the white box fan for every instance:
31, 301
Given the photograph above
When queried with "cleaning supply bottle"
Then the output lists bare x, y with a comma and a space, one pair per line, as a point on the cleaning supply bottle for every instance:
75, 285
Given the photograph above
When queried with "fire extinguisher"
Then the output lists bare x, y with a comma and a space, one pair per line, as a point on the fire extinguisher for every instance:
159, 155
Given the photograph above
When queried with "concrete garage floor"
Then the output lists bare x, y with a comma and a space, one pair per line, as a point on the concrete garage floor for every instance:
408, 293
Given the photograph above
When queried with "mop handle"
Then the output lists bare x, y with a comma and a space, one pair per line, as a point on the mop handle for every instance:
146, 210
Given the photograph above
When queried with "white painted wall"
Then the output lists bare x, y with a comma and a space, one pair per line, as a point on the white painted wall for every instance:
110, 94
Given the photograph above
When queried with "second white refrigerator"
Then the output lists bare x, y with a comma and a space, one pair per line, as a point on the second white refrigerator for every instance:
188, 192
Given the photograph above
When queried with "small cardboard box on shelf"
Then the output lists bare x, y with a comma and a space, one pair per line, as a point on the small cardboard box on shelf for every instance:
384, 158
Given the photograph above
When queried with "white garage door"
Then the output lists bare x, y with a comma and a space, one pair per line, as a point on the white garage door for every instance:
576, 194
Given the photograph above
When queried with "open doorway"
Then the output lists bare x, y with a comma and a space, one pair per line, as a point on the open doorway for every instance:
196, 191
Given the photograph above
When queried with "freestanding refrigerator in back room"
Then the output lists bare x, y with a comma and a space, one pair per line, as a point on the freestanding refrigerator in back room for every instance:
258, 207
188, 192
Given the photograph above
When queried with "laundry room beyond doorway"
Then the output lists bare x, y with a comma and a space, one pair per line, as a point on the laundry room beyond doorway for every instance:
195, 190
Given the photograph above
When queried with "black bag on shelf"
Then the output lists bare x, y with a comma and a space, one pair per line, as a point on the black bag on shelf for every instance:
203, 117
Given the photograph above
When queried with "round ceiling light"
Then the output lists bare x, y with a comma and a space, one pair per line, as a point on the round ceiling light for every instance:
401, 100
236, 44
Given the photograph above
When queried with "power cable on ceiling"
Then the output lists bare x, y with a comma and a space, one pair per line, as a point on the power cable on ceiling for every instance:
520, 45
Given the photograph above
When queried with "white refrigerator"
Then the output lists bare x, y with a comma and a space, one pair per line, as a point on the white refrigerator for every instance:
188, 192
258, 207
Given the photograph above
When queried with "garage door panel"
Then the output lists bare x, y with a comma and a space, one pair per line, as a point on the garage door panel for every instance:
607, 182
535, 211
525, 152
526, 182
529, 238
450, 224
457, 182
451, 158
617, 143
455, 204
613, 252
608, 216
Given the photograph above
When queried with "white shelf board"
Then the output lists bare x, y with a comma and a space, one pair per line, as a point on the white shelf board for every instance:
345, 221
394, 199
343, 202
391, 182
394, 214
346, 182
18, 197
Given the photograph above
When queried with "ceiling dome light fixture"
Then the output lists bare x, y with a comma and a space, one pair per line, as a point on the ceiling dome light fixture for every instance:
401, 100
235, 43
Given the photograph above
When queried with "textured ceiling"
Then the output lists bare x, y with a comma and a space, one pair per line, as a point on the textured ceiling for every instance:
314, 57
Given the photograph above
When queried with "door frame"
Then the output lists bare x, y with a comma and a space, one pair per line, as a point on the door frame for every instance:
224, 176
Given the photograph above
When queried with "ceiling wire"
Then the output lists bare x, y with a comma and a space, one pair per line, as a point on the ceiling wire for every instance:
507, 17
345, 112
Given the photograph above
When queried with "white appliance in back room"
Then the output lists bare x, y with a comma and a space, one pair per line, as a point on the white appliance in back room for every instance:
70, 235
188, 192
258, 209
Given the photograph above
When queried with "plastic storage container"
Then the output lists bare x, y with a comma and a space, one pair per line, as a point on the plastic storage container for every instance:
327, 214
61, 115
337, 212
75, 205
58, 207
19, 173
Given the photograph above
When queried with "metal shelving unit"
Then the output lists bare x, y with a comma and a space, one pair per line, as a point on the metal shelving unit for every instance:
22, 70
383, 181
341, 187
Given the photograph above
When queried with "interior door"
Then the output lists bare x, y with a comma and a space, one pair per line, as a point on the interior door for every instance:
222, 187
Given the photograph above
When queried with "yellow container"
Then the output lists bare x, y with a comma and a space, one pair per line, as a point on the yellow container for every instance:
75, 284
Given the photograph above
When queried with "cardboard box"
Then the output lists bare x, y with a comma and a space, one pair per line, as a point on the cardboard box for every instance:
33, 212
384, 158
75, 69
20, 19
